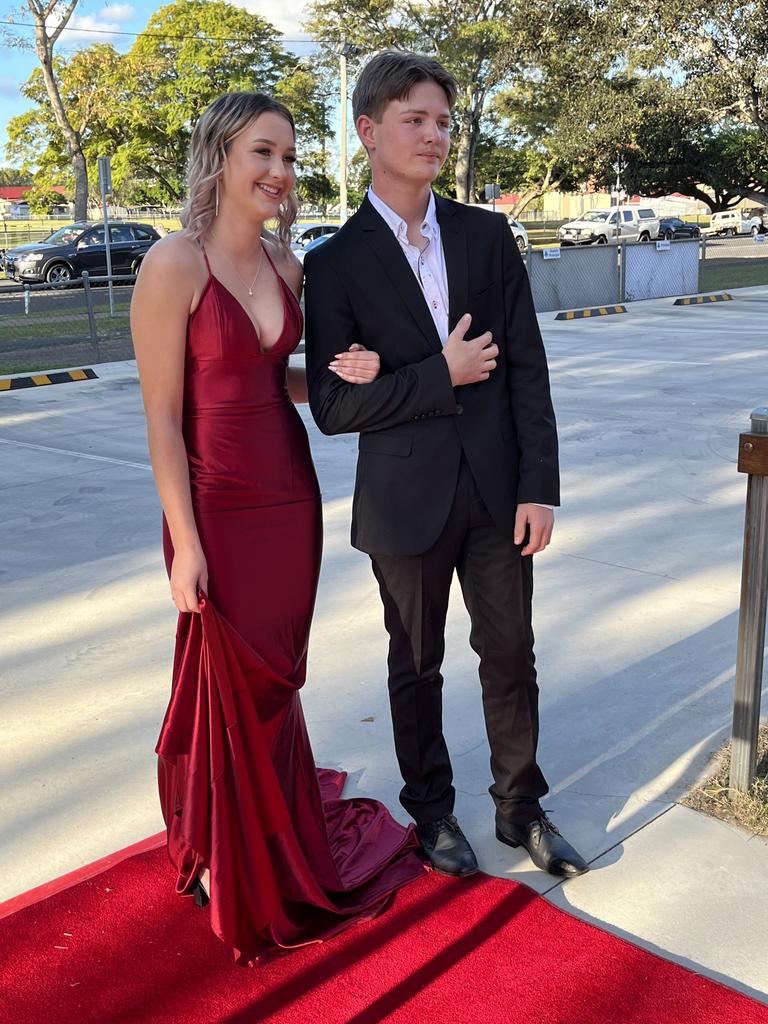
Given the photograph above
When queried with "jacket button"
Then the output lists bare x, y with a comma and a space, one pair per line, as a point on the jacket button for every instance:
459, 410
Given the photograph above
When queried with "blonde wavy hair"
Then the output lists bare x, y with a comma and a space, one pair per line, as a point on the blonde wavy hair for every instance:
212, 137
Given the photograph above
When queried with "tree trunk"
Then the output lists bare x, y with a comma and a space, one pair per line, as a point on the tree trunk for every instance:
547, 184
463, 163
466, 147
44, 44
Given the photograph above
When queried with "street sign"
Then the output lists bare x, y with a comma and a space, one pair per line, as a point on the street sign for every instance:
492, 191
551, 254
105, 175
662, 244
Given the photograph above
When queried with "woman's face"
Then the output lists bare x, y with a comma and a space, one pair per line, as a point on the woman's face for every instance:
259, 171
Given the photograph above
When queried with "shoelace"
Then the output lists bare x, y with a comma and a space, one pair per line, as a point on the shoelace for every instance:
434, 828
547, 825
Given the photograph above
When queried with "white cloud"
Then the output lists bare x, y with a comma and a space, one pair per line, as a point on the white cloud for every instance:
118, 12
87, 28
287, 16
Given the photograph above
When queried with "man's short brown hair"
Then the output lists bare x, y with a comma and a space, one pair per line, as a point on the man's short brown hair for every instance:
392, 75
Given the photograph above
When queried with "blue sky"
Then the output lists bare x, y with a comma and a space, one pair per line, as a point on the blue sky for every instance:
101, 21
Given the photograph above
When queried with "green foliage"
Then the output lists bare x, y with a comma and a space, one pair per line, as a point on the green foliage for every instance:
14, 176
550, 91
721, 46
41, 198
666, 142
140, 107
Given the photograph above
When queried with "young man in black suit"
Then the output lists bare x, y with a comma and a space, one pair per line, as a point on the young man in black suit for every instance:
457, 467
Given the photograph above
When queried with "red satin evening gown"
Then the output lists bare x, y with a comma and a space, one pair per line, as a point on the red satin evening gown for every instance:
290, 862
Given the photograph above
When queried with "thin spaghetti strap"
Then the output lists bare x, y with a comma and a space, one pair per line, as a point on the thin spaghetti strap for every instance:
271, 262
205, 257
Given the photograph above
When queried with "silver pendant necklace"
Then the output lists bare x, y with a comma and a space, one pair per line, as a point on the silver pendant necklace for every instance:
249, 289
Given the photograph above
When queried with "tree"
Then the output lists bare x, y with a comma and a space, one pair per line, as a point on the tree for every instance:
42, 198
486, 44
140, 107
667, 143
722, 47
85, 83
59, 12
14, 176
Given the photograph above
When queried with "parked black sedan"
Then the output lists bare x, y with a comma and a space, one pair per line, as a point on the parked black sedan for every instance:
673, 227
65, 254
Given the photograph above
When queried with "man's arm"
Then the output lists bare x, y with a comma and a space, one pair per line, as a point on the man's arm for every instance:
409, 393
528, 378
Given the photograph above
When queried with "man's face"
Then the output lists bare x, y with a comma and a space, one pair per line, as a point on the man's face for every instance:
411, 142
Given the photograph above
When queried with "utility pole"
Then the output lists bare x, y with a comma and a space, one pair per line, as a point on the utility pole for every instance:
344, 51
105, 187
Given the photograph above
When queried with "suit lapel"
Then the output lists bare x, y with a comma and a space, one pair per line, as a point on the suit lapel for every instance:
454, 239
392, 259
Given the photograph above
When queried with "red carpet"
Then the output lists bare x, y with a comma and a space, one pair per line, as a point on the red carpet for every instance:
120, 947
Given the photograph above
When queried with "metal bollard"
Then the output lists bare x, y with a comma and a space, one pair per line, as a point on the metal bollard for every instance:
89, 307
753, 459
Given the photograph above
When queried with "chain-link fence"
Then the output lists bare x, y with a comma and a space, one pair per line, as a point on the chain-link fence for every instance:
568, 278
734, 262
654, 270
45, 327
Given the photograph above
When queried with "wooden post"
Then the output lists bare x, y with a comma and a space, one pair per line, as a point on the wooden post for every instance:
753, 459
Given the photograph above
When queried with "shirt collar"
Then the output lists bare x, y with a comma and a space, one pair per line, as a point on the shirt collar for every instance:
429, 227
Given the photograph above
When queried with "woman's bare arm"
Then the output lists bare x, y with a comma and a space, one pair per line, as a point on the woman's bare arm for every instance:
168, 287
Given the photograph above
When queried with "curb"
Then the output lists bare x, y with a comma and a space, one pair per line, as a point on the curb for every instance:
697, 300
583, 314
41, 379
82, 874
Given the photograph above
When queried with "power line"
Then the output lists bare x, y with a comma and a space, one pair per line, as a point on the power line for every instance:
147, 32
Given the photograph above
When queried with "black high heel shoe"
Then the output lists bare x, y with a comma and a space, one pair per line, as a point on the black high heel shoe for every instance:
199, 895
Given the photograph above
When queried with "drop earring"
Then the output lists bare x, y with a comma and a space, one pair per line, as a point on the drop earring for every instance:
217, 198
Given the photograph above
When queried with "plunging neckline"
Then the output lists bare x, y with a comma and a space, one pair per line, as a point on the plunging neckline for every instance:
262, 351
281, 284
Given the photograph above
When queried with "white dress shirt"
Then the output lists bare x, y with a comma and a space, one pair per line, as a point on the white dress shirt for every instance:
427, 262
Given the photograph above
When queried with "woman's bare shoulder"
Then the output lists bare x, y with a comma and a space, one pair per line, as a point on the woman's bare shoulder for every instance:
178, 254
286, 262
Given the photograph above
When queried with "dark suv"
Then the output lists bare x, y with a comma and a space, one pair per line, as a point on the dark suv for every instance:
65, 254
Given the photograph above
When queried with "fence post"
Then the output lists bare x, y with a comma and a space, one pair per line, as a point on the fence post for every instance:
89, 307
753, 459
622, 256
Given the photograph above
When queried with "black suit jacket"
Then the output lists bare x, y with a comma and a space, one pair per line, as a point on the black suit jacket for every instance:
413, 423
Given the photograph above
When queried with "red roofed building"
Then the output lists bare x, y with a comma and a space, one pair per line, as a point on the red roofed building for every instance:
13, 202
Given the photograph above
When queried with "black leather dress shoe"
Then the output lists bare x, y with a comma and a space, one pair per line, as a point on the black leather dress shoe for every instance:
447, 847
546, 847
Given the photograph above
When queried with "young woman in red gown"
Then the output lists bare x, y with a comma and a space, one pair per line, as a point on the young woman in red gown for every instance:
215, 316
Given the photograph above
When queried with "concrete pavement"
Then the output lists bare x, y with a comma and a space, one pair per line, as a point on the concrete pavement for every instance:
635, 617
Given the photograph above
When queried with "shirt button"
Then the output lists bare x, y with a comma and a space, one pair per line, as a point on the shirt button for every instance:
459, 410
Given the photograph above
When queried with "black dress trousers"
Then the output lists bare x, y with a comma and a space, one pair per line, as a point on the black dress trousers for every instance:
497, 584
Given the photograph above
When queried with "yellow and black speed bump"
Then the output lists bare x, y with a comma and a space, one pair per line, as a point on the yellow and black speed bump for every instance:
584, 314
39, 379
699, 300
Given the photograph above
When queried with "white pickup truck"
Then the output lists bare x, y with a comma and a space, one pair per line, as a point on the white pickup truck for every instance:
733, 222
636, 224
